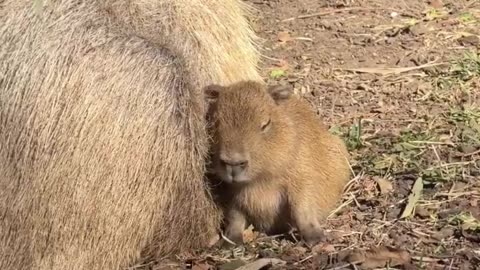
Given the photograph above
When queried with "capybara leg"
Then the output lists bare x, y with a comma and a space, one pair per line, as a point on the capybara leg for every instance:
308, 224
236, 223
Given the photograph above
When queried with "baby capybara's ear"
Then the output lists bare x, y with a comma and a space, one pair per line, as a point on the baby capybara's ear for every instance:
280, 93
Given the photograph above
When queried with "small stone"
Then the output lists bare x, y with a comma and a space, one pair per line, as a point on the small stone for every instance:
469, 40
443, 233
467, 148
265, 253
418, 30
422, 212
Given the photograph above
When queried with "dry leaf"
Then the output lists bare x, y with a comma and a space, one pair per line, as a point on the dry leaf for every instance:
249, 235
379, 257
284, 37
322, 248
413, 198
261, 263
474, 202
436, 4
384, 184
298, 250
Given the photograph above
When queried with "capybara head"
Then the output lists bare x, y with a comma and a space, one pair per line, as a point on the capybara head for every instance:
251, 135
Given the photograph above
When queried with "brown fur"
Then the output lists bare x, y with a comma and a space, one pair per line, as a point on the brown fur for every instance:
294, 169
102, 131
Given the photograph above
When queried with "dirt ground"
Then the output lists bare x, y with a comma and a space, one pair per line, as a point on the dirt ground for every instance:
399, 81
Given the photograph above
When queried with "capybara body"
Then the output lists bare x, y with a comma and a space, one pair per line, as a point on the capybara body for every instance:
277, 164
102, 131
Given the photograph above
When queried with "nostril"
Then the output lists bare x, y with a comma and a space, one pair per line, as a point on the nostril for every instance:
237, 163
243, 164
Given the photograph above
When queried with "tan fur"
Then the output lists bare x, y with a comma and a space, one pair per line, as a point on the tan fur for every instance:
102, 131
296, 169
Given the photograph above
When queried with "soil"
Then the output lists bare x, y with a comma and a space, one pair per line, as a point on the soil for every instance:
399, 81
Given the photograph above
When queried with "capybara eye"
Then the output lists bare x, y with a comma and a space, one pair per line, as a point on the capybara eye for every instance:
266, 125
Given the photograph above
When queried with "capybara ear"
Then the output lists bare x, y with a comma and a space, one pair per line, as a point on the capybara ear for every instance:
280, 93
211, 92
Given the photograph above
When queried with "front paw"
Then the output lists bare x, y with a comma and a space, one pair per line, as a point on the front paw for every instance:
230, 241
314, 238
312, 234
233, 239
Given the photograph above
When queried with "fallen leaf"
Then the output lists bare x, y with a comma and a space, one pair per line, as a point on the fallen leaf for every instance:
298, 250
249, 235
413, 198
379, 257
436, 4
322, 248
474, 203
261, 263
284, 37
384, 184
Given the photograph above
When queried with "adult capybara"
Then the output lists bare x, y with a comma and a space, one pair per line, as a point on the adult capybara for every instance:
276, 162
102, 132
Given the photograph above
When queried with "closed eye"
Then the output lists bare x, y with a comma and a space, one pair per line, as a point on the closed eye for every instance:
266, 125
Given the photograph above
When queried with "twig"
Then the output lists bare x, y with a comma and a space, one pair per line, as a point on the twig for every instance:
453, 194
304, 260
389, 71
433, 143
450, 164
226, 239
340, 208
471, 153
329, 12
271, 58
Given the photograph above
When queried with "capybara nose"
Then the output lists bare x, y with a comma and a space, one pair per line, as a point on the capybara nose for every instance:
234, 163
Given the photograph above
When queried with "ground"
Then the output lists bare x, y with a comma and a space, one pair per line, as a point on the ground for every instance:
399, 81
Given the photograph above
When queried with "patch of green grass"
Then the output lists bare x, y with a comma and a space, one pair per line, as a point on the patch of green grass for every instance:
467, 67
277, 73
466, 220
465, 115
434, 13
467, 122
458, 78
351, 135
467, 18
